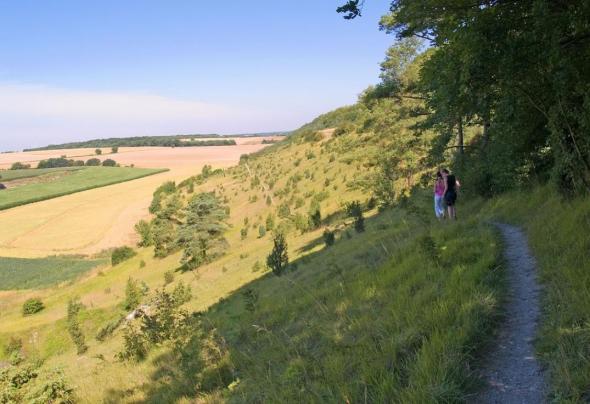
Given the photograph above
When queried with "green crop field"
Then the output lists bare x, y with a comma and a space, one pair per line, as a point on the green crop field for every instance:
10, 175
76, 181
24, 273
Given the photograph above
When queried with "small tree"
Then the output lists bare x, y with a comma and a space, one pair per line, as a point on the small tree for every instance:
278, 259
109, 163
355, 210
115, 149
20, 166
32, 306
98, 152
261, 231
315, 219
93, 162
133, 294
329, 238
121, 254
144, 229
74, 307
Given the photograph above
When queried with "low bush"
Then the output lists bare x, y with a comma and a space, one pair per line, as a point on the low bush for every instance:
109, 163
32, 306
121, 254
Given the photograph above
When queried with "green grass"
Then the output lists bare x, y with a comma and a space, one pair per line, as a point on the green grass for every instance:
559, 235
76, 181
25, 273
383, 316
9, 175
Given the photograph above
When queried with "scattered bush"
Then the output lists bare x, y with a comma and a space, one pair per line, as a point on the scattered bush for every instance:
133, 294
93, 162
20, 166
109, 163
115, 149
121, 254
278, 259
74, 307
168, 277
329, 238
32, 306
261, 231
355, 210
98, 152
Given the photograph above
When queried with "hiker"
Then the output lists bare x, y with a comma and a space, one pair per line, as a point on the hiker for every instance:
439, 192
450, 192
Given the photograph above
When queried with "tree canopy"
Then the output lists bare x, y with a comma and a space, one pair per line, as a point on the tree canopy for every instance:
517, 70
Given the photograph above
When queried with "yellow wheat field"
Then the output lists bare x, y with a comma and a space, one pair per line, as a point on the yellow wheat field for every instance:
94, 220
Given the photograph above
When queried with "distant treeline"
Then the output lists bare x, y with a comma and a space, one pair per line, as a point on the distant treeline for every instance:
64, 162
162, 141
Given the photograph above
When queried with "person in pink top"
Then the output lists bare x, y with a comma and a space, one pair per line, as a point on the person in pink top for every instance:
439, 192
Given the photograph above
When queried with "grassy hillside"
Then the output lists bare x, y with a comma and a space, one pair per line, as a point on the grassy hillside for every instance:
398, 312
57, 183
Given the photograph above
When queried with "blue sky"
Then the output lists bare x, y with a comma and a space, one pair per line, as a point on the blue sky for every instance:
73, 70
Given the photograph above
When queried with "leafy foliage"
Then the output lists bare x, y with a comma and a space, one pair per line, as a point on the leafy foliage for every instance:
32, 306
201, 236
121, 254
278, 259
73, 325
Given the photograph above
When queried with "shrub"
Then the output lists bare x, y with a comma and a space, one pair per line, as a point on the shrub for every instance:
109, 163
32, 306
14, 345
74, 307
244, 233
250, 299
278, 259
92, 162
98, 152
133, 294
20, 166
121, 254
79, 163
315, 219
168, 277
115, 149
144, 230
261, 231
108, 329
329, 238
354, 210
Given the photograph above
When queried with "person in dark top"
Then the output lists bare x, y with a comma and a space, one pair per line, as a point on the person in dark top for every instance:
450, 195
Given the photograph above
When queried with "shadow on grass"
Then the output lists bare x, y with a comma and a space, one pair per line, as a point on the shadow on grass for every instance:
229, 340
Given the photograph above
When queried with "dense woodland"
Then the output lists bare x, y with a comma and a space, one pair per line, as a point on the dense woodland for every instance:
515, 71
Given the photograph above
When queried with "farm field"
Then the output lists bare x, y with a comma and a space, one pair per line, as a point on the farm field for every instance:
91, 221
11, 175
125, 154
23, 273
64, 182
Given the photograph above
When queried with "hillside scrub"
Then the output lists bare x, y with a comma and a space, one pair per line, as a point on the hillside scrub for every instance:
402, 324
121, 254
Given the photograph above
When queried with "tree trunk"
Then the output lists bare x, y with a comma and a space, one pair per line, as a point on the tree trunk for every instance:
460, 135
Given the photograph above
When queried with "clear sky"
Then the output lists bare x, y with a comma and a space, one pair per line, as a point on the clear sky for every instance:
75, 70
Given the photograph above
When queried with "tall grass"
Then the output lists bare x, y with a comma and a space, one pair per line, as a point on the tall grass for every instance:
393, 315
559, 234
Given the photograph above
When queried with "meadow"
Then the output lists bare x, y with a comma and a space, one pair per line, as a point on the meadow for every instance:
69, 182
23, 273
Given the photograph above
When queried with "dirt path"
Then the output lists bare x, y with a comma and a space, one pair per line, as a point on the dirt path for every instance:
513, 374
